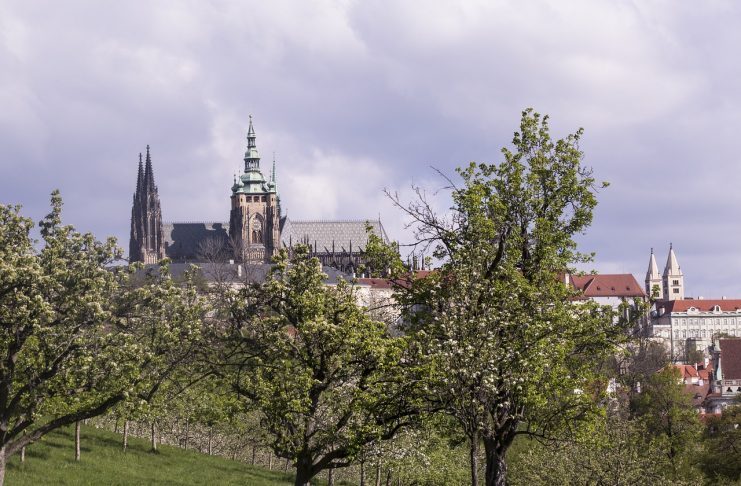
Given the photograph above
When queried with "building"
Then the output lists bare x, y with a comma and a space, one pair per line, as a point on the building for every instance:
607, 289
726, 380
613, 290
693, 323
256, 229
669, 285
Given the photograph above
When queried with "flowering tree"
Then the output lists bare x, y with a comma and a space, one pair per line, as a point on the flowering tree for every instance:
509, 348
326, 378
75, 338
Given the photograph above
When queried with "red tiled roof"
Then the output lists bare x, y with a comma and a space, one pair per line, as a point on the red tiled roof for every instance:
686, 371
376, 283
703, 374
702, 305
698, 393
730, 358
608, 285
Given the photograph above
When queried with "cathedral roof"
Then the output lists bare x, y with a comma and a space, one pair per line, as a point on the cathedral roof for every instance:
184, 241
342, 235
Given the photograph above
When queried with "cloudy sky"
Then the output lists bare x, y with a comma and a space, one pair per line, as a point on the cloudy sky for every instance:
357, 96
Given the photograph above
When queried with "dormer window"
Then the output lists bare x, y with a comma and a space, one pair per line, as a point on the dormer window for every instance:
716, 308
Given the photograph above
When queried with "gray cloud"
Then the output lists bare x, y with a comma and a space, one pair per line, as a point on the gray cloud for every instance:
357, 96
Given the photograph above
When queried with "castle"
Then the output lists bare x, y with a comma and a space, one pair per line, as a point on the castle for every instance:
256, 229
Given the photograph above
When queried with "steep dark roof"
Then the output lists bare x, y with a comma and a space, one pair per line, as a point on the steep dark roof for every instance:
183, 241
344, 234
730, 358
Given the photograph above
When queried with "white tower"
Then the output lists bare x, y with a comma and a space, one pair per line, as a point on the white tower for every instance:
654, 283
673, 278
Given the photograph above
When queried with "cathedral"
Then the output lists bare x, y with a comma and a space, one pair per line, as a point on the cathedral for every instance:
256, 229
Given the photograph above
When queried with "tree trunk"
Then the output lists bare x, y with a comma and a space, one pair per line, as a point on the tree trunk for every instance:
496, 467
330, 477
115, 427
126, 435
362, 473
187, 423
254, 454
285, 466
303, 472
2, 465
270, 460
210, 440
378, 473
388, 477
77, 440
154, 436
474, 459
23, 454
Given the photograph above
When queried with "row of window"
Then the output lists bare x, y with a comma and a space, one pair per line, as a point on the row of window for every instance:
702, 333
708, 321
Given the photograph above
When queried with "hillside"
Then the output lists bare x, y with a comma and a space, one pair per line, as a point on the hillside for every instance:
51, 461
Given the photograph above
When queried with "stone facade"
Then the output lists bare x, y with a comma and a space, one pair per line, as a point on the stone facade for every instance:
254, 222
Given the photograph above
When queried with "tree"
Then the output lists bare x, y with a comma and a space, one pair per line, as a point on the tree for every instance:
510, 350
669, 417
58, 362
722, 441
613, 450
326, 378
76, 338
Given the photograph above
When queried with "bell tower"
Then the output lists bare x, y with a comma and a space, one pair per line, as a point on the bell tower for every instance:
654, 283
673, 278
254, 220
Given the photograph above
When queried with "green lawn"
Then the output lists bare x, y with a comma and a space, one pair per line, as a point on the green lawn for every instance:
51, 461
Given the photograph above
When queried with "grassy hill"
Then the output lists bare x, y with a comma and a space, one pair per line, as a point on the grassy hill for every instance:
51, 461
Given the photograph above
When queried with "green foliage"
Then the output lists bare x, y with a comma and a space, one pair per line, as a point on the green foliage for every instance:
79, 335
615, 451
381, 259
510, 350
326, 377
669, 418
721, 459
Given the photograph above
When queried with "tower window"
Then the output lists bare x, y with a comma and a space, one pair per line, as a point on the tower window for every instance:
676, 291
263, 199
675, 282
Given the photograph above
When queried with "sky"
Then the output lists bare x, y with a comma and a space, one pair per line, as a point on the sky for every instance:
352, 97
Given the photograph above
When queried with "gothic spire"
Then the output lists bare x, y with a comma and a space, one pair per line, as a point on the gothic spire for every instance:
140, 176
148, 173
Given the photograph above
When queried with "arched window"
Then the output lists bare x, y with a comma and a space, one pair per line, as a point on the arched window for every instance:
259, 236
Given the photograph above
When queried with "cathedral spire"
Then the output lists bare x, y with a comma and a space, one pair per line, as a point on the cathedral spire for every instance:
251, 156
140, 176
251, 135
148, 173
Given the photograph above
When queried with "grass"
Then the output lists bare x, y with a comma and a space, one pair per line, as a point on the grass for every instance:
51, 461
